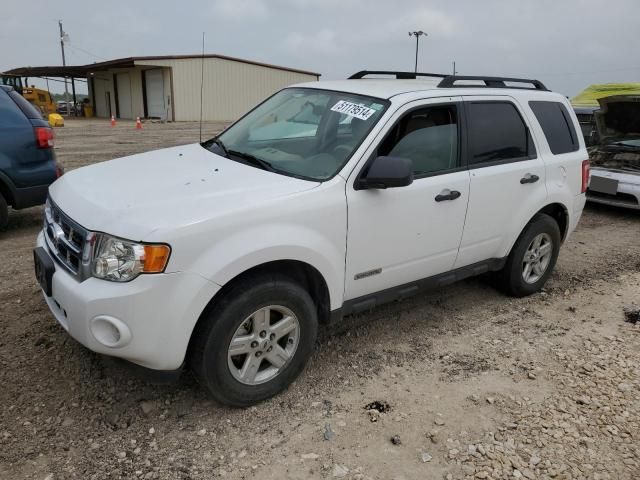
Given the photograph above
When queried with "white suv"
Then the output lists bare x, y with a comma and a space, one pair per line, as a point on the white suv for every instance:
327, 199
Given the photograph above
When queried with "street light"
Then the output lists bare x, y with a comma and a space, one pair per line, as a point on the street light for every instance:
417, 34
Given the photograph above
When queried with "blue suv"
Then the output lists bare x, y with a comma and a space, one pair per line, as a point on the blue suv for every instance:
27, 161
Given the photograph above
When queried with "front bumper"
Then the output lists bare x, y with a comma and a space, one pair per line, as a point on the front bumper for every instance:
147, 321
628, 191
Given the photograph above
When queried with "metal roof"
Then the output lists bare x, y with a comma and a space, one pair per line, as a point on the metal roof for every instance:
83, 70
54, 71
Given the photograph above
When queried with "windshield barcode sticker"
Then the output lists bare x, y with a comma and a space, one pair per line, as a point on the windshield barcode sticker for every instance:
353, 110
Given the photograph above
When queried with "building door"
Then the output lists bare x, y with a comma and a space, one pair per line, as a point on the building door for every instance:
107, 98
124, 95
154, 83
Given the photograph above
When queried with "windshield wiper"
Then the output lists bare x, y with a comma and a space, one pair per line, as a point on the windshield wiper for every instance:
253, 160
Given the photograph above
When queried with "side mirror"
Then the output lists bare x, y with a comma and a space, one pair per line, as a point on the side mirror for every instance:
386, 172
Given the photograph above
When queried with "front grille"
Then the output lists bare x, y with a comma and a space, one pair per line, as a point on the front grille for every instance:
66, 239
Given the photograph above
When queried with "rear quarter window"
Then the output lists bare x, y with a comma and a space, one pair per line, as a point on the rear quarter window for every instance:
29, 110
557, 126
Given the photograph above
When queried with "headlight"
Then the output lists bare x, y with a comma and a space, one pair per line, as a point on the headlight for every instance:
120, 260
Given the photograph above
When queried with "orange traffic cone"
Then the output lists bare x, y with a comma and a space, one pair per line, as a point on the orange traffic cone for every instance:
113, 121
138, 124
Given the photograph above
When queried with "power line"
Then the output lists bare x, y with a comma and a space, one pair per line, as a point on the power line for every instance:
61, 81
85, 51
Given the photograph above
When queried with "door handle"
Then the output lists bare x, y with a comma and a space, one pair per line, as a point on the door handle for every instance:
529, 178
448, 195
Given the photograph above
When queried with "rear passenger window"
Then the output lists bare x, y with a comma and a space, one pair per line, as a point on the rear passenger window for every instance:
497, 133
557, 126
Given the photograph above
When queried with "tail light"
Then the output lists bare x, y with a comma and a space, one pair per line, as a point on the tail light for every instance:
585, 175
44, 137
59, 170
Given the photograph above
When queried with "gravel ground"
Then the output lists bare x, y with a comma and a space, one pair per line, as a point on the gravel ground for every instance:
473, 384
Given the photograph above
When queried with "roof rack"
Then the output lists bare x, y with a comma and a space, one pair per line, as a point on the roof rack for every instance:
449, 81
398, 75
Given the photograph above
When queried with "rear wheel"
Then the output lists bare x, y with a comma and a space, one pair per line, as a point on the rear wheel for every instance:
255, 341
532, 258
4, 213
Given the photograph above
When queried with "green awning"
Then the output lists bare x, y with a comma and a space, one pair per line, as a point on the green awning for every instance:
590, 95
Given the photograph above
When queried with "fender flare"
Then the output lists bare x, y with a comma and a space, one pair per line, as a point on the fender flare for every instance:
549, 203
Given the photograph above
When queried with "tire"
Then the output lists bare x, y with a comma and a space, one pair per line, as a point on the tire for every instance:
4, 213
240, 316
511, 279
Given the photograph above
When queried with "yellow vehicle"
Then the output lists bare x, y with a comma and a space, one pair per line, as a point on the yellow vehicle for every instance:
39, 98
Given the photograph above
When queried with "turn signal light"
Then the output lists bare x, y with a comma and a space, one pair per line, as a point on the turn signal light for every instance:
155, 258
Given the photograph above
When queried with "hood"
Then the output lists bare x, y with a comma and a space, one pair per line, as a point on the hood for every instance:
618, 118
131, 197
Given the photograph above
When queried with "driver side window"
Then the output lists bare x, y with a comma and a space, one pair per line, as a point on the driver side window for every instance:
428, 137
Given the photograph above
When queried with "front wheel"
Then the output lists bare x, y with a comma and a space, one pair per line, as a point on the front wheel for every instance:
255, 341
532, 258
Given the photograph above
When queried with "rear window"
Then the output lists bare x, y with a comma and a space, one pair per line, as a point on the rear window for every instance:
29, 110
497, 133
557, 126
10, 114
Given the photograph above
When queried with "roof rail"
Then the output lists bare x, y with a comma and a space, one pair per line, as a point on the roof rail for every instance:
398, 75
490, 82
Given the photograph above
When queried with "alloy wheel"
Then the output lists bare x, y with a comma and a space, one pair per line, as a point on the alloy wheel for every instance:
537, 258
263, 345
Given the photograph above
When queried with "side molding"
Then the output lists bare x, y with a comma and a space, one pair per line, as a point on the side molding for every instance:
370, 301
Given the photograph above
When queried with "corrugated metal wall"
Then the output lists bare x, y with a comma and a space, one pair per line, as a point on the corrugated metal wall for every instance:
103, 82
230, 88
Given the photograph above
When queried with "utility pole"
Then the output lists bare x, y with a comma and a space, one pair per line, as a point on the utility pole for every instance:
64, 64
417, 34
454, 68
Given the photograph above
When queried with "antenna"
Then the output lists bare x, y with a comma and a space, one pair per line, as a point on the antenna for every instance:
201, 85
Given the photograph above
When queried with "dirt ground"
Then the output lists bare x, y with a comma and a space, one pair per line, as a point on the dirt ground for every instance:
475, 384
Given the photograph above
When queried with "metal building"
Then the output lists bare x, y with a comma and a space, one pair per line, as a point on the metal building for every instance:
168, 87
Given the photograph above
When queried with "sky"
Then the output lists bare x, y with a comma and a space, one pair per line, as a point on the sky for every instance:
568, 44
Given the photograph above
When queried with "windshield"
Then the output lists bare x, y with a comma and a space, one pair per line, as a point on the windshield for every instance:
301, 132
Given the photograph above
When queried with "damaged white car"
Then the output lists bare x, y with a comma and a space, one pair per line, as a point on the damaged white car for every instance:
615, 161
